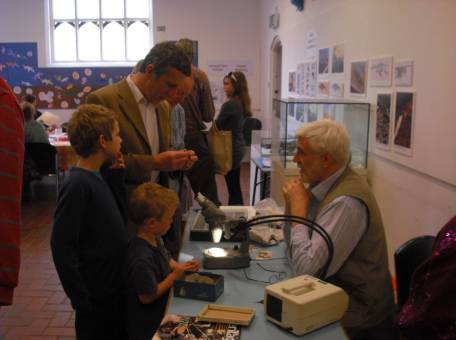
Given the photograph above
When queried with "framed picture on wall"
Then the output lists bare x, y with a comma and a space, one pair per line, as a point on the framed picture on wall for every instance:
403, 122
380, 71
300, 72
403, 73
358, 78
292, 82
323, 88
323, 61
383, 121
338, 58
336, 90
310, 79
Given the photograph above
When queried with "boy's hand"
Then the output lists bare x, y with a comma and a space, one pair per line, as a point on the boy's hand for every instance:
178, 272
118, 163
192, 266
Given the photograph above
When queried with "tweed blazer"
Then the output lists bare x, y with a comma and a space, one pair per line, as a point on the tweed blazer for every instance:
135, 144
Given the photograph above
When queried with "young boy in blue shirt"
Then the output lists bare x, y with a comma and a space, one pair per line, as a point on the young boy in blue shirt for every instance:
149, 271
89, 236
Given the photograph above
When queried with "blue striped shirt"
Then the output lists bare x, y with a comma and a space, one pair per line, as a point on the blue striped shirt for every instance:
345, 220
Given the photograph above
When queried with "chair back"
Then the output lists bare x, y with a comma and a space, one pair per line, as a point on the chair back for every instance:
407, 258
249, 125
44, 157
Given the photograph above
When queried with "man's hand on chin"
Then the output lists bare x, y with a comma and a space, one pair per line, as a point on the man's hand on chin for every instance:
297, 197
175, 160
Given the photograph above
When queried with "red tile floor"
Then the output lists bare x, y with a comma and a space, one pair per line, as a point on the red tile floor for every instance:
41, 310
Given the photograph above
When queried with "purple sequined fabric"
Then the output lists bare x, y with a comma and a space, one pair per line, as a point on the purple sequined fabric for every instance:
430, 311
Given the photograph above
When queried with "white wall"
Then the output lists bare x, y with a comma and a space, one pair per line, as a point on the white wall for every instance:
413, 202
225, 30
23, 21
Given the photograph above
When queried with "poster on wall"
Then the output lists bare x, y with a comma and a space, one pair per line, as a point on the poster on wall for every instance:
300, 78
54, 87
323, 61
358, 78
380, 71
311, 45
338, 58
309, 79
403, 73
221, 67
403, 122
336, 90
292, 82
323, 88
383, 121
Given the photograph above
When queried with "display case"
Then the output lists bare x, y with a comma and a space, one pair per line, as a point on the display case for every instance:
293, 113
261, 146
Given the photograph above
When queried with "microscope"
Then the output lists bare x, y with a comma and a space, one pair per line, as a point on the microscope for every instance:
220, 225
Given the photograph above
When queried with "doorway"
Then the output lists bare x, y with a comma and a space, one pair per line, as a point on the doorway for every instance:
276, 73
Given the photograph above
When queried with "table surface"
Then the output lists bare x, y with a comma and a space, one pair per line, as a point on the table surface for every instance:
259, 163
238, 291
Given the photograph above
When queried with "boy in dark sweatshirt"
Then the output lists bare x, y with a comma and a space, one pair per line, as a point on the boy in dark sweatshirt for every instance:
90, 235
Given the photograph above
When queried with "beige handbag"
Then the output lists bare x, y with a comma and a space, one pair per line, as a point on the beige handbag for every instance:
221, 148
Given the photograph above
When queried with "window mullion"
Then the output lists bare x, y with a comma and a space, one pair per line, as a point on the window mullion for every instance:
76, 22
101, 30
125, 23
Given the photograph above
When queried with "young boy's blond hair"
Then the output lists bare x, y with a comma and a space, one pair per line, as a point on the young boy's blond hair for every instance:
151, 200
86, 125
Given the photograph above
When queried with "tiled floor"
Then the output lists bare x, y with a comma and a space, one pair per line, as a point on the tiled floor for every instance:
41, 310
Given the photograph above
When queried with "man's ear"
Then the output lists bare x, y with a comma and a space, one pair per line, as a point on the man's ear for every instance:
102, 141
150, 221
328, 159
149, 69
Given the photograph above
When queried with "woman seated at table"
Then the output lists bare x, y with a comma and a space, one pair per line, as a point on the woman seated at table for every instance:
33, 130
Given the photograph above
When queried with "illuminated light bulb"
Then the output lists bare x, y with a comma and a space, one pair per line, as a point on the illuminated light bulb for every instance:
216, 252
217, 234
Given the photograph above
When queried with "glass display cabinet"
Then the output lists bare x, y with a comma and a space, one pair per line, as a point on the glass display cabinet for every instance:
293, 113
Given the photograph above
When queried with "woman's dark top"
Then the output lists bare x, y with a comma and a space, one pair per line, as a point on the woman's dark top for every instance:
145, 267
89, 237
231, 118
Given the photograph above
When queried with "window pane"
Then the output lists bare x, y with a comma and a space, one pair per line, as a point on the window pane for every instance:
89, 41
137, 8
113, 41
63, 9
112, 8
88, 9
64, 42
137, 41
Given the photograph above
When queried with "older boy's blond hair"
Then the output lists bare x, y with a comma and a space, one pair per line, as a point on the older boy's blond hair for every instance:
151, 200
86, 125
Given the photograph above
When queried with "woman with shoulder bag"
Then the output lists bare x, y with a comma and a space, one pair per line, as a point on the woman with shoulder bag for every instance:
231, 118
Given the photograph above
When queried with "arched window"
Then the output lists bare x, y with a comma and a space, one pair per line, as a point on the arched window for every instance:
87, 31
